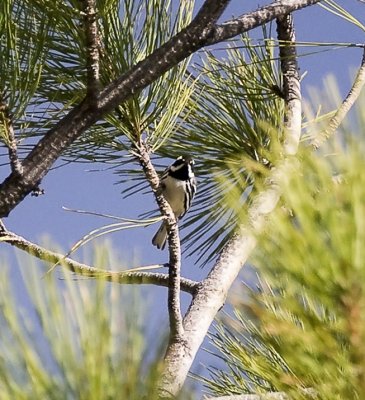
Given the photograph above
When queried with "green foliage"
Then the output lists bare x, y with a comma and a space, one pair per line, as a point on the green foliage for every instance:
73, 339
22, 57
229, 111
129, 32
304, 328
232, 113
43, 69
341, 12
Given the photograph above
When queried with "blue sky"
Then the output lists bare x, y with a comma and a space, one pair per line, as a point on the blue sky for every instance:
74, 187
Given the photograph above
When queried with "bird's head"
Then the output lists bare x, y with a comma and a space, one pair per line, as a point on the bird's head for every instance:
183, 165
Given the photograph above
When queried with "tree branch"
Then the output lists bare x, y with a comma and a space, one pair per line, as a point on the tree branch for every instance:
123, 277
309, 393
344, 108
291, 84
261, 16
199, 33
92, 50
176, 327
212, 293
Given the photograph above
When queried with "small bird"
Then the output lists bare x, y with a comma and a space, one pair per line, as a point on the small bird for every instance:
178, 186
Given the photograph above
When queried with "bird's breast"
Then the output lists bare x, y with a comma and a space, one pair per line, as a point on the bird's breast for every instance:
174, 192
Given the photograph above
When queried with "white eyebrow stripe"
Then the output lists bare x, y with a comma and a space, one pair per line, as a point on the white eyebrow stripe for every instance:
174, 169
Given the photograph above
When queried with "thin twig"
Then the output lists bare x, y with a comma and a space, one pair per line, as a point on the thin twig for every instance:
92, 49
11, 143
176, 327
123, 277
344, 108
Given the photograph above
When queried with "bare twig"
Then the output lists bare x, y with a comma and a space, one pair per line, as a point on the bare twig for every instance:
201, 32
344, 108
176, 327
5, 118
92, 49
124, 277
291, 84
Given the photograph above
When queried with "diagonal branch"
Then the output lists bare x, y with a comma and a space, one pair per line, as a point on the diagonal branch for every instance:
92, 49
176, 326
50, 147
345, 107
123, 277
200, 32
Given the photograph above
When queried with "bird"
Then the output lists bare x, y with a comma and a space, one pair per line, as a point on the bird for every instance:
178, 185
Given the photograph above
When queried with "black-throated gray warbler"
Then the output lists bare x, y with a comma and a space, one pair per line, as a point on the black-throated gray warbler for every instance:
178, 186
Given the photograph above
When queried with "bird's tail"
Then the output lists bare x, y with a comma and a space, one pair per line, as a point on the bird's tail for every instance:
159, 240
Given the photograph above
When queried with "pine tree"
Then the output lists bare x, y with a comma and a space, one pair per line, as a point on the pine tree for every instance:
126, 83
